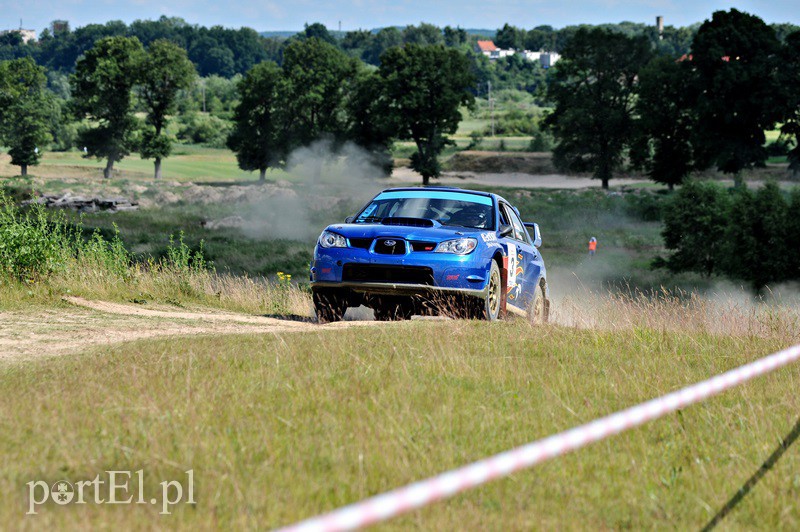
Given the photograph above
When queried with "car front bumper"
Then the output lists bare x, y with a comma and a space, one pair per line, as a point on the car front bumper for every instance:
404, 289
449, 274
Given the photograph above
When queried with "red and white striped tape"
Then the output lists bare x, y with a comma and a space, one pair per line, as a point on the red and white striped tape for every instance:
401, 500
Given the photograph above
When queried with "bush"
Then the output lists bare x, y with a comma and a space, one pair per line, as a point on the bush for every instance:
35, 244
197, 128
779, 148
742, 235
476, 137
31, 246
541, 141
515, 123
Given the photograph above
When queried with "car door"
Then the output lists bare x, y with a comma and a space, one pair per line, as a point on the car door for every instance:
522, 271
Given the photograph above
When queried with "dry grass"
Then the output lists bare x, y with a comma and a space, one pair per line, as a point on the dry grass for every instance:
279, 427
143, 285
722, 314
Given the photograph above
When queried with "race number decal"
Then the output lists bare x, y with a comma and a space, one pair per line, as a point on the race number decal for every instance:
513, 262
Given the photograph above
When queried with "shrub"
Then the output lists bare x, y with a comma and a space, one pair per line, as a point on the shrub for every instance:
541, 141
515, 122
476, 137
197, 128
31, 246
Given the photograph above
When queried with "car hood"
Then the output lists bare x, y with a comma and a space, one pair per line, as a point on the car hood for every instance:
431, 234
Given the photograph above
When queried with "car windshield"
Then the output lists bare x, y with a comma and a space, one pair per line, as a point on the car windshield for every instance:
448, 208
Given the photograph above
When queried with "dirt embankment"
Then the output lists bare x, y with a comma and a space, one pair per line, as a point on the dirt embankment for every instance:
501, 162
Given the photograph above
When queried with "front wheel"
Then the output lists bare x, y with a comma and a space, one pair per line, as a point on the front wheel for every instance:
490, 309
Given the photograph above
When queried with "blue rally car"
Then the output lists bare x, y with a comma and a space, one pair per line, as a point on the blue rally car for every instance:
431, 250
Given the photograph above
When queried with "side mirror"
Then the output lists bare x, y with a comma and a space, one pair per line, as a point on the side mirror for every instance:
505, 230
349, 219
537, 235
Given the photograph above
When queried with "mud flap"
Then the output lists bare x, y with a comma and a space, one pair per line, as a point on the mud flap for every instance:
504, 290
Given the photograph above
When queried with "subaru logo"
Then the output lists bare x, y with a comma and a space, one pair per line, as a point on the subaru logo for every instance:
390, 243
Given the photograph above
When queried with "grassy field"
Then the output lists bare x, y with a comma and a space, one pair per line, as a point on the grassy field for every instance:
188, 163
281, 427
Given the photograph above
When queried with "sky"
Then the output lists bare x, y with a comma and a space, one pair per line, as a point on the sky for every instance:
270, 15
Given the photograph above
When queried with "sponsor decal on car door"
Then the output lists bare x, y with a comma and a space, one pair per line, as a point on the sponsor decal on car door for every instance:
520, 262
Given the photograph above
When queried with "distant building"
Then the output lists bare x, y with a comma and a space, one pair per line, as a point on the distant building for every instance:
27, 35
487, 48
58, 26
548, 59
531, 56
490, 50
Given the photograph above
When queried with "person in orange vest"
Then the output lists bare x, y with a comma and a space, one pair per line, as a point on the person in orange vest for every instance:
592, 246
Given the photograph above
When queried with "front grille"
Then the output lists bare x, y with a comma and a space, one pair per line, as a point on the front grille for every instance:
376, 273
418, 245
390, 246
362, 243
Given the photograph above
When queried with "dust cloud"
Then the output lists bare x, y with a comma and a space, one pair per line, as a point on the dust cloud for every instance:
328, 183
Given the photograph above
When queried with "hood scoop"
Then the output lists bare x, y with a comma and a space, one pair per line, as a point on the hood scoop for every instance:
412, 222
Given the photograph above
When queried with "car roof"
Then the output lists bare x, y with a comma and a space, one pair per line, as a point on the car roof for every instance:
446, 189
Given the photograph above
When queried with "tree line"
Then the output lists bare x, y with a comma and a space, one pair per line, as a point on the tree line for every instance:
103, 87
218, 51
321, 93
317, 93
618, 103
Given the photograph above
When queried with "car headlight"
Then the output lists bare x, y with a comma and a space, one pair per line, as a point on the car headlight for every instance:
332, 240
459, 246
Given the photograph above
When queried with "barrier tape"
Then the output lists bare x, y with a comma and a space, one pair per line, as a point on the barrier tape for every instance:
402, 500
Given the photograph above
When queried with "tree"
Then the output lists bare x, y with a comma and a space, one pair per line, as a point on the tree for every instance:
792, 230
101, 89
454, 37
357, 42
789, 75
385, 38
318, 77
695, 222
368, 127
593, 91
756, 240
256, 136
665, 121
318, 30
424, 88
510, 37
422, 34
165, 71
736, 59
25, 110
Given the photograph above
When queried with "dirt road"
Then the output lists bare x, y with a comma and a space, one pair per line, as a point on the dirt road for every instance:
84, 324
405, 176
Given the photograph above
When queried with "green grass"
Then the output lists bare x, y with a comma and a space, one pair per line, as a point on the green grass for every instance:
189, 163
279, 428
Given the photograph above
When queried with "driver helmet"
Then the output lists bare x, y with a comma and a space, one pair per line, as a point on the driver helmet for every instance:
471, 216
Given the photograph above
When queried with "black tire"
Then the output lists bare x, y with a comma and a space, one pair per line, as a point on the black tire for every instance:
489, 308
393, 309
538, 312
328, 305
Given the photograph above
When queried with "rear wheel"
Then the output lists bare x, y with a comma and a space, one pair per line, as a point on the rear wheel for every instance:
329, 305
